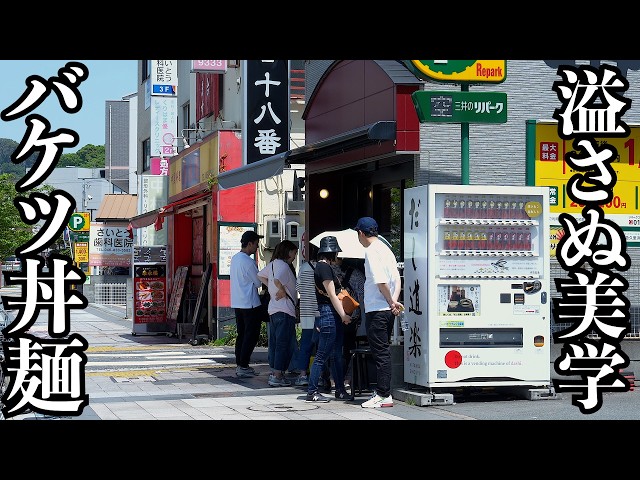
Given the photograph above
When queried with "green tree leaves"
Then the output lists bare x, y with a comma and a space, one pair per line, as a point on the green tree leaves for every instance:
14, 232
89, 156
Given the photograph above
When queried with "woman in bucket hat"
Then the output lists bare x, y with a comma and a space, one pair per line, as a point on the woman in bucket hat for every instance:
329, 324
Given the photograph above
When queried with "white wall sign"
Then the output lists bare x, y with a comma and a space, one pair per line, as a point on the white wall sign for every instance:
110, 246
164, 77
164, 126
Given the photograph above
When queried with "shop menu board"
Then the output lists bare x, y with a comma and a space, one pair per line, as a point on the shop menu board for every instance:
149, 294
229, 235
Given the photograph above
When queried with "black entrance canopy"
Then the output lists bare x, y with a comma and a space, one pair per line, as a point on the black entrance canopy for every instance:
377, 132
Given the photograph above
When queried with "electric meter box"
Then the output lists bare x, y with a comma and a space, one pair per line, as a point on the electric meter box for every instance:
293, 232
272, 236
477, 286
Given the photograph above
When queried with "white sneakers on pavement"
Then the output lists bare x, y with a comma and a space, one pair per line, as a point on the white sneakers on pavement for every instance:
378, 402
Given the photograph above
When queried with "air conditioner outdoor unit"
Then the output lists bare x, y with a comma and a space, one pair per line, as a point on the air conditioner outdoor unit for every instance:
294, 206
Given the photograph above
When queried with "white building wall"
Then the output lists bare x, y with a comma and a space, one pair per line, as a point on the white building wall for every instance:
84, 184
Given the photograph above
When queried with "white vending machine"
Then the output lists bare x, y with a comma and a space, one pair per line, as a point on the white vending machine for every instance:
477, 286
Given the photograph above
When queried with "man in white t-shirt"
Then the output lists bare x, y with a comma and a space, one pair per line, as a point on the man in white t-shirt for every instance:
381, 292
245, 301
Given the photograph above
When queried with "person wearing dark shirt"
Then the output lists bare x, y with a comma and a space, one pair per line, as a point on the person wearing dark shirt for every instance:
351, 273
329, 323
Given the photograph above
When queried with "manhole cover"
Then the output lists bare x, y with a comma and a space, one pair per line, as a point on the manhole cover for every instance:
281, 407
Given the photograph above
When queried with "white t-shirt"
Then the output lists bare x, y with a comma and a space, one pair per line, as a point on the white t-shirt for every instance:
244, 281
282, 271
380, 266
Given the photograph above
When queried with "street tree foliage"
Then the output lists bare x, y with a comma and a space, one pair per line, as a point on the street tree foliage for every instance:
89, 156
7, 148
396, 218
13, 232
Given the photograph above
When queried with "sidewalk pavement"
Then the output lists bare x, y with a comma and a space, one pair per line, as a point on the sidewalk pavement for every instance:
196, 393
211, 390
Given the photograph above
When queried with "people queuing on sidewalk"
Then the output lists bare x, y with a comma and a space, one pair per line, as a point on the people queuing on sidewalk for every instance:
381, 292
245, 301
351, 275
329, 324
308, 313
280, 276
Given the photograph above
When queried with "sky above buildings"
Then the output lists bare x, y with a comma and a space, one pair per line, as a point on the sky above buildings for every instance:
108, 80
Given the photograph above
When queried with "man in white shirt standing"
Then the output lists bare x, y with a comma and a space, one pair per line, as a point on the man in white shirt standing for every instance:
381, 292
245, 301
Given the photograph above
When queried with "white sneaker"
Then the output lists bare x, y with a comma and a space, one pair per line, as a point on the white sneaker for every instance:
378, 402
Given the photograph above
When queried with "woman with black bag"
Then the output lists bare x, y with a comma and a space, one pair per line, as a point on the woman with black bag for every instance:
329, 324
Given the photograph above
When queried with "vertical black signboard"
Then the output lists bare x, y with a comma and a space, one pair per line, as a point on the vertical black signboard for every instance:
266, 114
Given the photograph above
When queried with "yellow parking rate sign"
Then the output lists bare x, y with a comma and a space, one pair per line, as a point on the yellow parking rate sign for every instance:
81, 250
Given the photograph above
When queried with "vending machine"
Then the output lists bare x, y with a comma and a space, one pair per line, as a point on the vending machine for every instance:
476, 286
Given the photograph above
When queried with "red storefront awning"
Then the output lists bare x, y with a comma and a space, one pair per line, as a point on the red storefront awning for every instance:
157, 216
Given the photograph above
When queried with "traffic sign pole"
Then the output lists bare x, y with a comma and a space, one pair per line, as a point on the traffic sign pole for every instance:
461, 107
464, 147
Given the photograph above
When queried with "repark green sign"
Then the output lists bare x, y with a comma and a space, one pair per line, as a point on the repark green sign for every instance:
460, 107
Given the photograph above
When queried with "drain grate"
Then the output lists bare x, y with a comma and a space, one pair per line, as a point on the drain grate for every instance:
282, 407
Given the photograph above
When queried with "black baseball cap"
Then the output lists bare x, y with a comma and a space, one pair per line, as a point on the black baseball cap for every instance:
250, 236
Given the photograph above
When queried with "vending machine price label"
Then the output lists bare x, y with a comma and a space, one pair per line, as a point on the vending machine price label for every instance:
533, 209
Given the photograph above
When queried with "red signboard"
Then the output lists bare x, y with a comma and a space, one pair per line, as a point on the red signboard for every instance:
149, 294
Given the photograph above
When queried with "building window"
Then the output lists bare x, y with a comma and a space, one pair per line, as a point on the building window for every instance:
146, 69
146, 155
297, 79
186, 121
